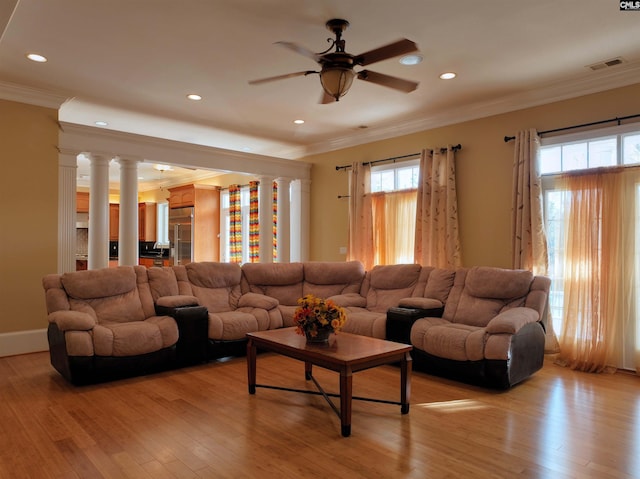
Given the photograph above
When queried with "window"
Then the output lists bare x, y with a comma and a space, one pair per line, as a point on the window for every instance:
162, 225
393, 188
394, 177
610, 147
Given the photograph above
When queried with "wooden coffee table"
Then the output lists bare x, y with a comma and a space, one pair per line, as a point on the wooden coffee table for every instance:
345, 353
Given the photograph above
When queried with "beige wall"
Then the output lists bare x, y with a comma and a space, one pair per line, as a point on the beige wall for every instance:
483, 168
28, 212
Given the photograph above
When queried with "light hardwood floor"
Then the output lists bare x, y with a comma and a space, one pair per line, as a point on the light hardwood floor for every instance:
201, 422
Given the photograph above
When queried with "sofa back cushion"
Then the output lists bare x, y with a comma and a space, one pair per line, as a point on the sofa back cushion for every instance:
481, 293
283, 281
108, 294
163, 282
385, 285
325, 279
215, 285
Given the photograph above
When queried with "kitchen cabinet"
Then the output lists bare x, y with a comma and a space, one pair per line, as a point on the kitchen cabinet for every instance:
147, 221
82, 202
114, 221
182, 196
150, 262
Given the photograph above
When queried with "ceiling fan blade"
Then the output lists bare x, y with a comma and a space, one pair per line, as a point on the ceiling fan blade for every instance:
387, 80
300, 49
388, 51
281, 77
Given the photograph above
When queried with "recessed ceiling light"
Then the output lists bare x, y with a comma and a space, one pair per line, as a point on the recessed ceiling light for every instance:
163, 168
411, 59
448, 76
101, 123
34, 57
298, 122
194, 97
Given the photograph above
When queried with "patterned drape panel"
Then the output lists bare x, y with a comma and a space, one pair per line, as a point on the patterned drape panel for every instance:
437, 240
275, 221
527, 225
529, 241
360, 218
235, 225
254, 223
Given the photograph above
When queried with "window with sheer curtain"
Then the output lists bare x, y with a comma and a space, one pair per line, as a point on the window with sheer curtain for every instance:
591, 186
393, 205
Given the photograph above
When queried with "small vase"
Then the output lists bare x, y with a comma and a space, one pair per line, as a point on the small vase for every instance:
321, 337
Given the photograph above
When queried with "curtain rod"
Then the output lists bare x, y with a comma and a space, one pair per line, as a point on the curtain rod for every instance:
394, 158
239, 186
573, 127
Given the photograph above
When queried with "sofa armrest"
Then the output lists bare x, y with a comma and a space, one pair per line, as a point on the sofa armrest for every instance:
348, 300
512, 320
257, 300
177, 301
420, 303
72, 320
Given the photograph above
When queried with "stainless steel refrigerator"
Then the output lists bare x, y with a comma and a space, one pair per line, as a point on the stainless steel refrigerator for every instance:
181, 235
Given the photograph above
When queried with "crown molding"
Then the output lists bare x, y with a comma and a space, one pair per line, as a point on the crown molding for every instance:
595, 82
76, 139
31, 96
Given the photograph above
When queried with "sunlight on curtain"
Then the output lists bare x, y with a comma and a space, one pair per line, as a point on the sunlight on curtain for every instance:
392, 213
599, 282
360, 239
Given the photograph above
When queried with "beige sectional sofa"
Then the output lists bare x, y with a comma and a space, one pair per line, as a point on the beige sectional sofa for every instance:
490, 332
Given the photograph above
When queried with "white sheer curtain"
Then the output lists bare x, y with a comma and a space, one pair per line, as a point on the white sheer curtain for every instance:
529, 241
360, 241
437, 241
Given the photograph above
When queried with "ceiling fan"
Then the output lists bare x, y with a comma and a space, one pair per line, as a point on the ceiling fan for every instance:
337, 74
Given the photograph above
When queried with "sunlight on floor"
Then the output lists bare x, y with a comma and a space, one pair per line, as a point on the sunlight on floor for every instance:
453, 406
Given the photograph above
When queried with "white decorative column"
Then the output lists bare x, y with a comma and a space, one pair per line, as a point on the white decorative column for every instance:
67, 183
300, 221
128, 249
265, 214
284, 220
98, 212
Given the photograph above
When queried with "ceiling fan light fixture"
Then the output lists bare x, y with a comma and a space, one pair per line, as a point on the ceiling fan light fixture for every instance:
336, 80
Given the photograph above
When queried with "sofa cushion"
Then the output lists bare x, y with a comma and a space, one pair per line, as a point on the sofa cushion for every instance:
365, 323
232, 325
215, 285
282, 281
134, 338
487, 282
438, 337
331, 278
439, 284
99, 283
386, 285
162, 282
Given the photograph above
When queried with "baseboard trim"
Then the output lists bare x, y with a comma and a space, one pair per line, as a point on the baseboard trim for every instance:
23, 342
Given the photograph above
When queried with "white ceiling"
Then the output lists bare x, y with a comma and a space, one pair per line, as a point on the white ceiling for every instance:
131, 63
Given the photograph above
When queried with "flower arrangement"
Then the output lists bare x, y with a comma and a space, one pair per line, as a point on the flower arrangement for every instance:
315, 314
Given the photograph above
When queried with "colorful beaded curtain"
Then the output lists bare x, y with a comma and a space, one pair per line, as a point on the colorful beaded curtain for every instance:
254, 223
275, 221
235, 225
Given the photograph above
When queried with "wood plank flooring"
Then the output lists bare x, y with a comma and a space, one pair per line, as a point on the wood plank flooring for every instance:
200, 422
